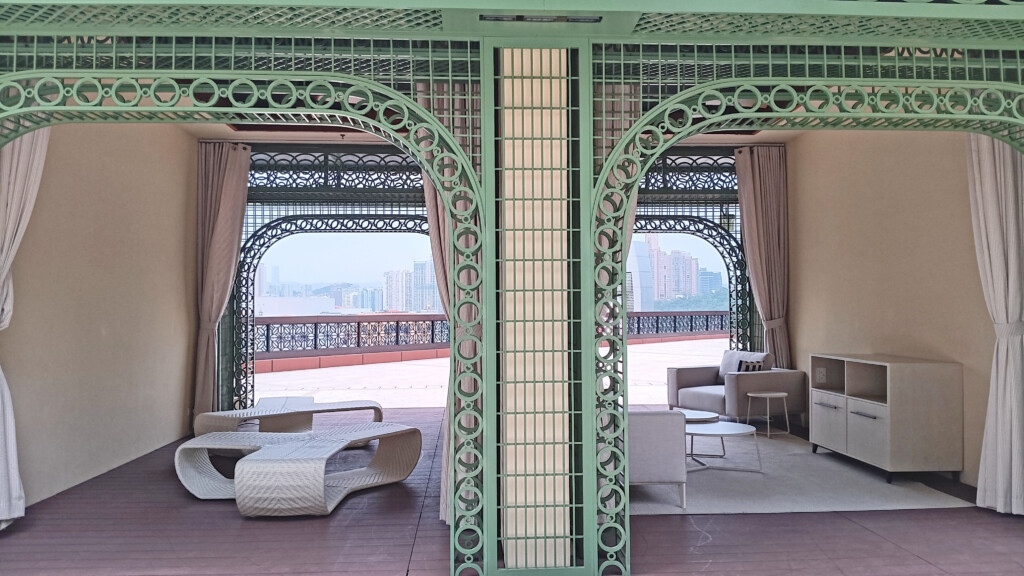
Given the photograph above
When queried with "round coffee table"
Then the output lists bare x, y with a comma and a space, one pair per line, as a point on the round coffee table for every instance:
768, 408
721, 430
696, 416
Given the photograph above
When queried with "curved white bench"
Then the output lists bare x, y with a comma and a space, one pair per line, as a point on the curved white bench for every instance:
285, 474
279, 414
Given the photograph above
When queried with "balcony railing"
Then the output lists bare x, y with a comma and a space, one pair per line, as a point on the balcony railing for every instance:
307, 336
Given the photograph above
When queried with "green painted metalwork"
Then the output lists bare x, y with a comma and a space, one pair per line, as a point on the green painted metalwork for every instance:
657, 76
141, 17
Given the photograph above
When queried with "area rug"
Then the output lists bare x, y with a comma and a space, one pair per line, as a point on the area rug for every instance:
794, 480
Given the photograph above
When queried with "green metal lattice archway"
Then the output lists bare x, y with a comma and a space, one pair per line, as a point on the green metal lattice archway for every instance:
735, 76
994, 109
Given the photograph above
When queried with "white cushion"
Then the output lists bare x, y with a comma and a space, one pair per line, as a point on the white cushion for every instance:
731, 361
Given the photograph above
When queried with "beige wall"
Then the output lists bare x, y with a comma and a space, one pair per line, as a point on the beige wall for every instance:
882, 256
99, 352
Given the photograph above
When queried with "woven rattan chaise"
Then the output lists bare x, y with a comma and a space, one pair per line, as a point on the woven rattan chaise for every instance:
279, 414
285, 474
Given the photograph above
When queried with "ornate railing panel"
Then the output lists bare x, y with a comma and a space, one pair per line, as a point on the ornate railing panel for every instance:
654, 323
299, 336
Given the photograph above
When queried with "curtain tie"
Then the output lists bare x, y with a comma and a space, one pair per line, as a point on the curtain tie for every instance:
776, 323
1009, 329
208, 326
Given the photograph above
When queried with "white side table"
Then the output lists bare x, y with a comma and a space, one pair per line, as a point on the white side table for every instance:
768, 407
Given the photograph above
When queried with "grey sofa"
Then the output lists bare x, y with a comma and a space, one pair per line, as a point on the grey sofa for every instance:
723, 389
657, 449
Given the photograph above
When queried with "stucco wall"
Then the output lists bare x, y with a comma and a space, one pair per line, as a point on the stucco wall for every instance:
99, 352
882, 257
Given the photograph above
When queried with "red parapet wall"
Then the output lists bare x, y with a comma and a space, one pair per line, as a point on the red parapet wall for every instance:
311, 362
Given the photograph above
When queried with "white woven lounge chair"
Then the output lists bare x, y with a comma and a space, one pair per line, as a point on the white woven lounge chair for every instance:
285, 474
279, 414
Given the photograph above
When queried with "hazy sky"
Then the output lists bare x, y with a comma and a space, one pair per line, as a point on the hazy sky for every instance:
315, 258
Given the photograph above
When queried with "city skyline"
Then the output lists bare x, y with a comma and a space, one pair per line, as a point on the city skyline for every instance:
364, 258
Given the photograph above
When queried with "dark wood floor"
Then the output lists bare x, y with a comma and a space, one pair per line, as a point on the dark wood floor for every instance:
137, 519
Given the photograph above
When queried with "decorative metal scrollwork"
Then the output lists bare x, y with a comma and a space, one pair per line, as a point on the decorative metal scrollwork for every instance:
687, 172
304, 173
997, 111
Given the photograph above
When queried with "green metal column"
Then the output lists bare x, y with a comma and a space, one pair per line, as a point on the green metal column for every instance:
540, 491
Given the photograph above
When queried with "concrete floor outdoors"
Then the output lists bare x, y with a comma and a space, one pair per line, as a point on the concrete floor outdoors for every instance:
424, 383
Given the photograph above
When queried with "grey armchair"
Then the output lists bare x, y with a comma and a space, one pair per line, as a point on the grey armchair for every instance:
723, 389
657, 449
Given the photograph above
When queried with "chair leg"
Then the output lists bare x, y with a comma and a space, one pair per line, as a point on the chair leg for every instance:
748, 410
768, 417
785, 410
682, 494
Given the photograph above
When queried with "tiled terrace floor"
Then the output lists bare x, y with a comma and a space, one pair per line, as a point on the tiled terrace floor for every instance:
137, 519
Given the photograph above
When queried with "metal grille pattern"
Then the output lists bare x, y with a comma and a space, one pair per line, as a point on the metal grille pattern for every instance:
539, 411
377, 174
826, 26
326, 333
690, 170
244, 80
142, 16
648, 323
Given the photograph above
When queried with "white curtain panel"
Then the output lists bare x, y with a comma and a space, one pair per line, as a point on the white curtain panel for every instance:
996, 173
21, 168
223, 184
761, 172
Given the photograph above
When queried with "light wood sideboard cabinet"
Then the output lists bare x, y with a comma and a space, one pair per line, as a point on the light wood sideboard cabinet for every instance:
899, 414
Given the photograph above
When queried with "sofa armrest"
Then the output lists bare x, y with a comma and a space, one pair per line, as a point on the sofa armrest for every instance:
657, 447
738, 384
689, 377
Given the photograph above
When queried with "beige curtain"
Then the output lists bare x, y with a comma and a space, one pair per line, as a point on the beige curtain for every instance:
21, 169
996, 176
761, 171
457, 106
223, 183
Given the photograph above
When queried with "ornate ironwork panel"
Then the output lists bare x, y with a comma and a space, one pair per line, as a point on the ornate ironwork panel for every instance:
335, 335
378, 334
415, 333
689, 171
289, 337
372, 174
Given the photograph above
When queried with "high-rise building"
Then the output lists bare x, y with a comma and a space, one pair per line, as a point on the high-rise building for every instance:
709, 281
683, 274
398, 290
262, 287
275, 274
424, 288
638, 266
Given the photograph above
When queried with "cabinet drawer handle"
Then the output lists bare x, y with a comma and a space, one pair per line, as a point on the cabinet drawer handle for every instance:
864, 415
832, 406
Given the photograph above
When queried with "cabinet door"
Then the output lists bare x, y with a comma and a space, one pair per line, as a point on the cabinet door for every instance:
828, 420
867, 432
